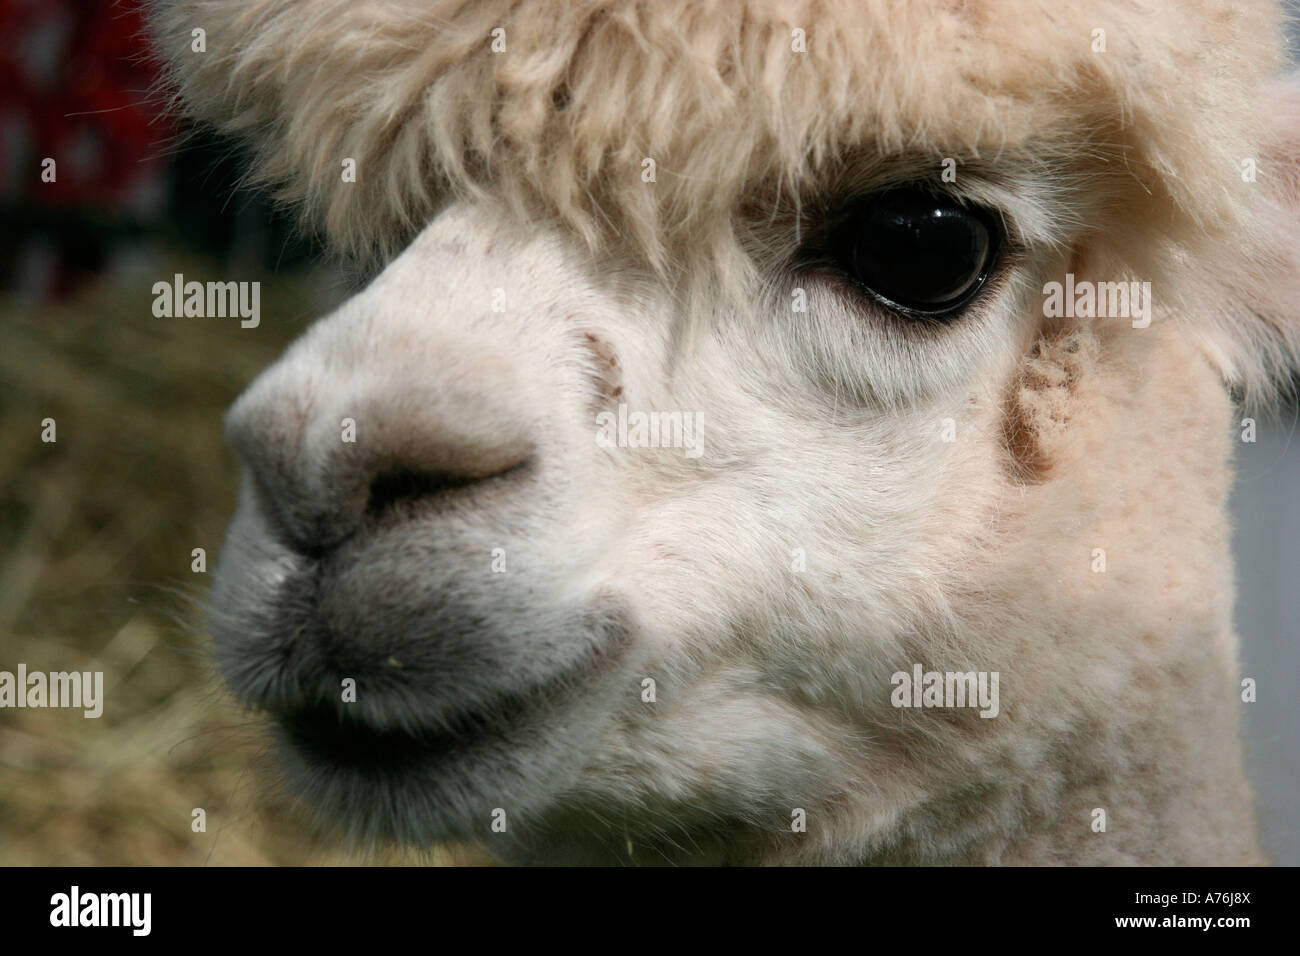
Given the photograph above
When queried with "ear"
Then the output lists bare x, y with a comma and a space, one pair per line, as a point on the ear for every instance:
1251, 280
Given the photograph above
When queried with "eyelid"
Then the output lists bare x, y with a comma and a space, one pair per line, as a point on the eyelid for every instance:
828, 214
918, 330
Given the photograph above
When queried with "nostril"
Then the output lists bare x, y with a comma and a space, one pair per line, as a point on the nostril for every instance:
321, 467
396, 488
403, 485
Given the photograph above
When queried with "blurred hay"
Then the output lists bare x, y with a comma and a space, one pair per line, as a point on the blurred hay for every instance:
96, 534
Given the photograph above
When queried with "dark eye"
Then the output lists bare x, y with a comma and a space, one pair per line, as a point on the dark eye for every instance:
916, 250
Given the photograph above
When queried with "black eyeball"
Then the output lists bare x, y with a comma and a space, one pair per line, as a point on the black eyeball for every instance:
916, 250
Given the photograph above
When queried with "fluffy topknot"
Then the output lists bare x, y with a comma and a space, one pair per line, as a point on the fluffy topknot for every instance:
724, 97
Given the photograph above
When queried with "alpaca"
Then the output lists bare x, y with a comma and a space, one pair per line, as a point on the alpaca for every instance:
777, 432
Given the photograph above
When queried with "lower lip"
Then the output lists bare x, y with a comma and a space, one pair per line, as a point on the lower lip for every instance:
326, 736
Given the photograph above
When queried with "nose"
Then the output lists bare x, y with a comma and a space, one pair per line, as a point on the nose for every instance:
326, 452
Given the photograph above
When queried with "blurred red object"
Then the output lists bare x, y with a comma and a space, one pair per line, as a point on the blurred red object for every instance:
76, 81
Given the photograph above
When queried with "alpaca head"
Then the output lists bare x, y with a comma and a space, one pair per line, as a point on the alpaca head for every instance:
725, 366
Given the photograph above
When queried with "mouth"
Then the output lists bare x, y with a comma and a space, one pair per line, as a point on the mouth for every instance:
423, 780
405, 785
496, 702
326, 735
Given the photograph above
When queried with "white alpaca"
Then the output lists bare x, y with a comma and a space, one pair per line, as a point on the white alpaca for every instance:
824, 236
